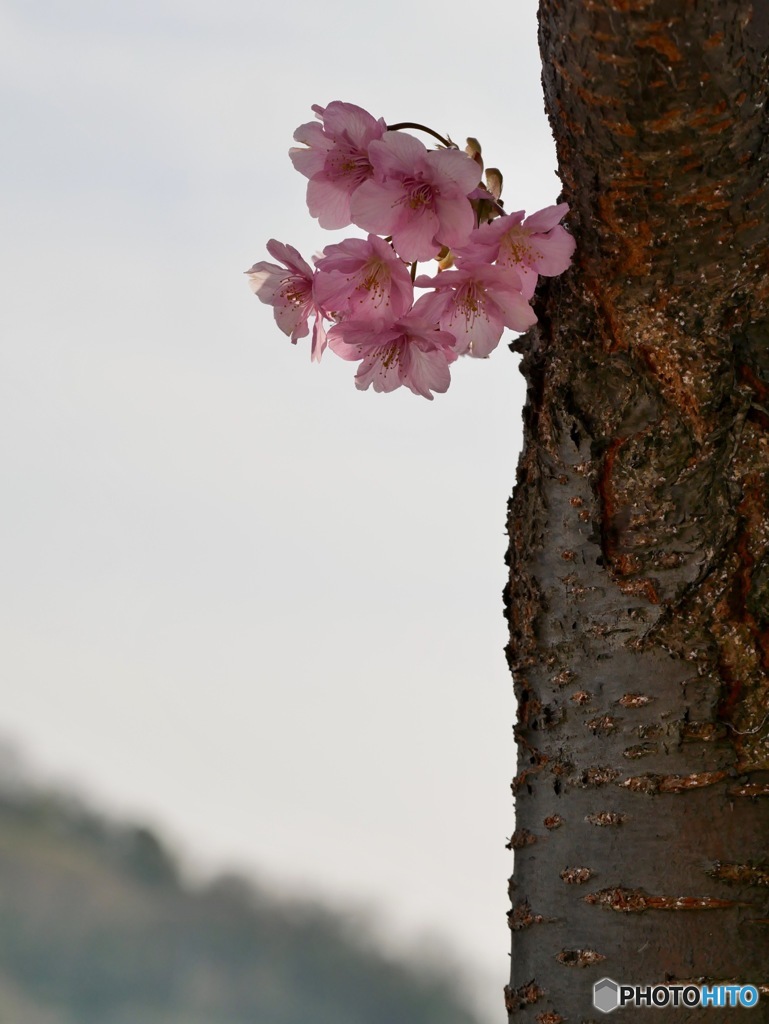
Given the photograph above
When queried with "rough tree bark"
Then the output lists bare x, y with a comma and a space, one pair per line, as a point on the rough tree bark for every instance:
638, 599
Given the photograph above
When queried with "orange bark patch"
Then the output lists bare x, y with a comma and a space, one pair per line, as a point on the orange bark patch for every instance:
676, 384
721, 126
754, 382
708, 196
626, 564
670, 121
619, 127
661, 44
621, 5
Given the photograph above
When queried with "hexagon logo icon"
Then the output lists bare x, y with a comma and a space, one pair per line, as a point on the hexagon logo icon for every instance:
606, 995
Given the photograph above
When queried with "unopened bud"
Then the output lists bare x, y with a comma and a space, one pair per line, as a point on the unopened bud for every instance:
473, 149
494, 181
445, 258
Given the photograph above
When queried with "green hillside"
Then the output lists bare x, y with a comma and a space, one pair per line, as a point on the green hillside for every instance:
98, 926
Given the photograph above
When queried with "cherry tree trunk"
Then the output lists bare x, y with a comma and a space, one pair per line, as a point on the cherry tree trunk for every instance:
638, 599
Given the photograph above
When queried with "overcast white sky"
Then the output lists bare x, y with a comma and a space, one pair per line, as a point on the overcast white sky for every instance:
239, 598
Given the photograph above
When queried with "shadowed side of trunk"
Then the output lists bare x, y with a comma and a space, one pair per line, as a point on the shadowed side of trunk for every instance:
639, 527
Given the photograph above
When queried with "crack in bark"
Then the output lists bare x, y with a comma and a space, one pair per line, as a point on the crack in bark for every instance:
606, 819
739, 874
520, 838
523, 996
751, 790
522, 916
636, 901
579, 957
651, 783
576, 876
553, 821
600, 775
635, 700
641, 750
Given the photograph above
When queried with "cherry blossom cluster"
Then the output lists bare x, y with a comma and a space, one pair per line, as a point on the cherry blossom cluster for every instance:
415, 205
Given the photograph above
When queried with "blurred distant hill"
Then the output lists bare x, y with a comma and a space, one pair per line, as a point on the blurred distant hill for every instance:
98, 926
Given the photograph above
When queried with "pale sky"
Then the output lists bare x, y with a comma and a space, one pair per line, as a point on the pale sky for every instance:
240, 599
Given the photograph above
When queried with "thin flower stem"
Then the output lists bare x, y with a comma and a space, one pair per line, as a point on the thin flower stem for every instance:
413, 271
421, 128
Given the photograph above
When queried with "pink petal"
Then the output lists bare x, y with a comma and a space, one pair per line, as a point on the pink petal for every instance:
373, 371
397, 154
480, 333
265, 280
373, 208
413, 236
516, 311
555, 251
319, 339
493, 232
425, 372
528, 279
516, 276
356, 123
345, 256
354, 339
312, 134
329, 202
456, 221
310, 161
332, 290
434, 306
457, 167
483, 339
292, 320
402, 293
288, 255
547, 218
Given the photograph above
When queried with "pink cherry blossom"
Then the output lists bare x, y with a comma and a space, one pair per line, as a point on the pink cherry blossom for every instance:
536, 245
417, 196
289, 289
363, 279
475, 303
336, 158
409, 352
